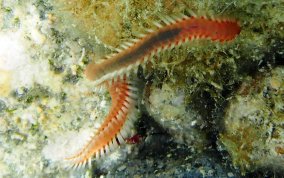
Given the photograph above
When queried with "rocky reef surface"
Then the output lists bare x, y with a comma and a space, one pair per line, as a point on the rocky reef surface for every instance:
209, 110
254, 122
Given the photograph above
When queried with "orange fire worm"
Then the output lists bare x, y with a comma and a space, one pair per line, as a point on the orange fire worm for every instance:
115, 127
113, 72
175, 33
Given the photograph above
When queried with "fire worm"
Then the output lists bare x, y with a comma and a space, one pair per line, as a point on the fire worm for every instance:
116, 127
113, 73
174, 32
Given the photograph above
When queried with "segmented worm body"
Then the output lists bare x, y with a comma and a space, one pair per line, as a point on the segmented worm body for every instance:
174, 33
114, 71
115, 128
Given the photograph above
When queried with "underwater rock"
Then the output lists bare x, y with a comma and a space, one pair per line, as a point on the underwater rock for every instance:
253, 123
42, 94
167, 105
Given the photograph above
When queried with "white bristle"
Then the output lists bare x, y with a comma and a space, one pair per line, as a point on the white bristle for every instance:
108, 56
107, 149
134, 40
90, 162
132, 95
102, 152
157, 24
120, 139
80, 165
176, 17
128, 124
118, 50
149, 30
171, 20
124, 46
120, 72
128, 44
116, 120
165, 20
123, 133
119, 115
143, 65
137, 63
146, 58
191, 13
124, 109
130, 101
111, 146
184, 16
97, 155
132, 88
141, 35
115, 142
126, 129
126, 104
76, 166
129, 68
85, 163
